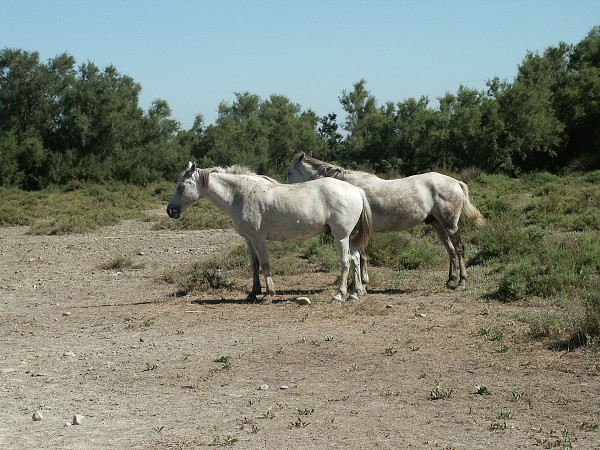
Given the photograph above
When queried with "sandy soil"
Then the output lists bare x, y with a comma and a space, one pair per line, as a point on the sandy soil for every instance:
146, 369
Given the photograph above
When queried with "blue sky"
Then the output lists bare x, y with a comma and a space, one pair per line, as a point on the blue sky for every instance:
195, 54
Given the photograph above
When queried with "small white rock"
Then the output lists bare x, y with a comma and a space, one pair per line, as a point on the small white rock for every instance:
141, 253
77, 419
302, 301
67, 313
284, 387
69, 354
37, 416
263, 387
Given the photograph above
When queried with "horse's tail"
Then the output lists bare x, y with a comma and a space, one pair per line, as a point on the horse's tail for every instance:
364, 227
472, 213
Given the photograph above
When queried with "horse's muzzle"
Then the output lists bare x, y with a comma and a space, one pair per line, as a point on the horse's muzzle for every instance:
173, 213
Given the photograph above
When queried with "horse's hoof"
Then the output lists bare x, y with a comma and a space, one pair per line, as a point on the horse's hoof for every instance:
460, 287
352, 300
251, 298
266, 301
335, 301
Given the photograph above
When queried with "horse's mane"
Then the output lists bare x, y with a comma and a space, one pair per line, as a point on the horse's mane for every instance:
325, 169
322, 168
236, 169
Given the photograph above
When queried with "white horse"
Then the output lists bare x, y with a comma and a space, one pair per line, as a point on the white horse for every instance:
402, 203
262, 209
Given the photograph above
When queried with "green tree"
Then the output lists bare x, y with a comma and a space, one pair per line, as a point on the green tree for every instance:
473, 132
59, 122
237, 137
579, 106
263, 135
31, 110
328, 131
416, 128
10, 172
534, 132
373, 132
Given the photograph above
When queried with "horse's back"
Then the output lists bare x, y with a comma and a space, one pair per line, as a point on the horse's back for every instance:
289, 212
323, 197
402, 203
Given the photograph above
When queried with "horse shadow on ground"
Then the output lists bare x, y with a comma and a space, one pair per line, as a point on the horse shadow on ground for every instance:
113, 305
282, 296
389, 291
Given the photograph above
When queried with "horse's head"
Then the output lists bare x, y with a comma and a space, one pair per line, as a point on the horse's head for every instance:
186, 191
300, 170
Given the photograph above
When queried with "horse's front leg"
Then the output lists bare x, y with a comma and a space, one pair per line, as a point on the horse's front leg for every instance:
344, 253
260, 248
255, 265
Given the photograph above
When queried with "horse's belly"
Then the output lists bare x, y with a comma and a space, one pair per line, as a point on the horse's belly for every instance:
295, 233
396, 222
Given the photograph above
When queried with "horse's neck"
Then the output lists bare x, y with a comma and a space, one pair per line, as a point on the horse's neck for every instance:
221, 191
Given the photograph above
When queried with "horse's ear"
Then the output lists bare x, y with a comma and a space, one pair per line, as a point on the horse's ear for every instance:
191, 168
301, 157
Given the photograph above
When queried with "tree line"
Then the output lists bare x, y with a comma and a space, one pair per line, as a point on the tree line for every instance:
60, 121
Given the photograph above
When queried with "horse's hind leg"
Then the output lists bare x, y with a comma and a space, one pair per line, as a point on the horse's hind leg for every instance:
459, 247
450, 248
364, 274
357, 287
343, 246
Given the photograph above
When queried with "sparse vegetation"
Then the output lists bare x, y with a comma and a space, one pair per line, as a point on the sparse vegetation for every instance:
223, 441
225, 360
389, 351
440, 393
299, 423
483, 390
150, 367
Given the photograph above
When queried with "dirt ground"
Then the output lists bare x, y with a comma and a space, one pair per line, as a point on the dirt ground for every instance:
147, 369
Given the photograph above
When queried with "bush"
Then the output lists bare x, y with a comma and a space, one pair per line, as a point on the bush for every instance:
504, 239
552, 267
406, 250
213, 273
516, 281
588, 326
321, 252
